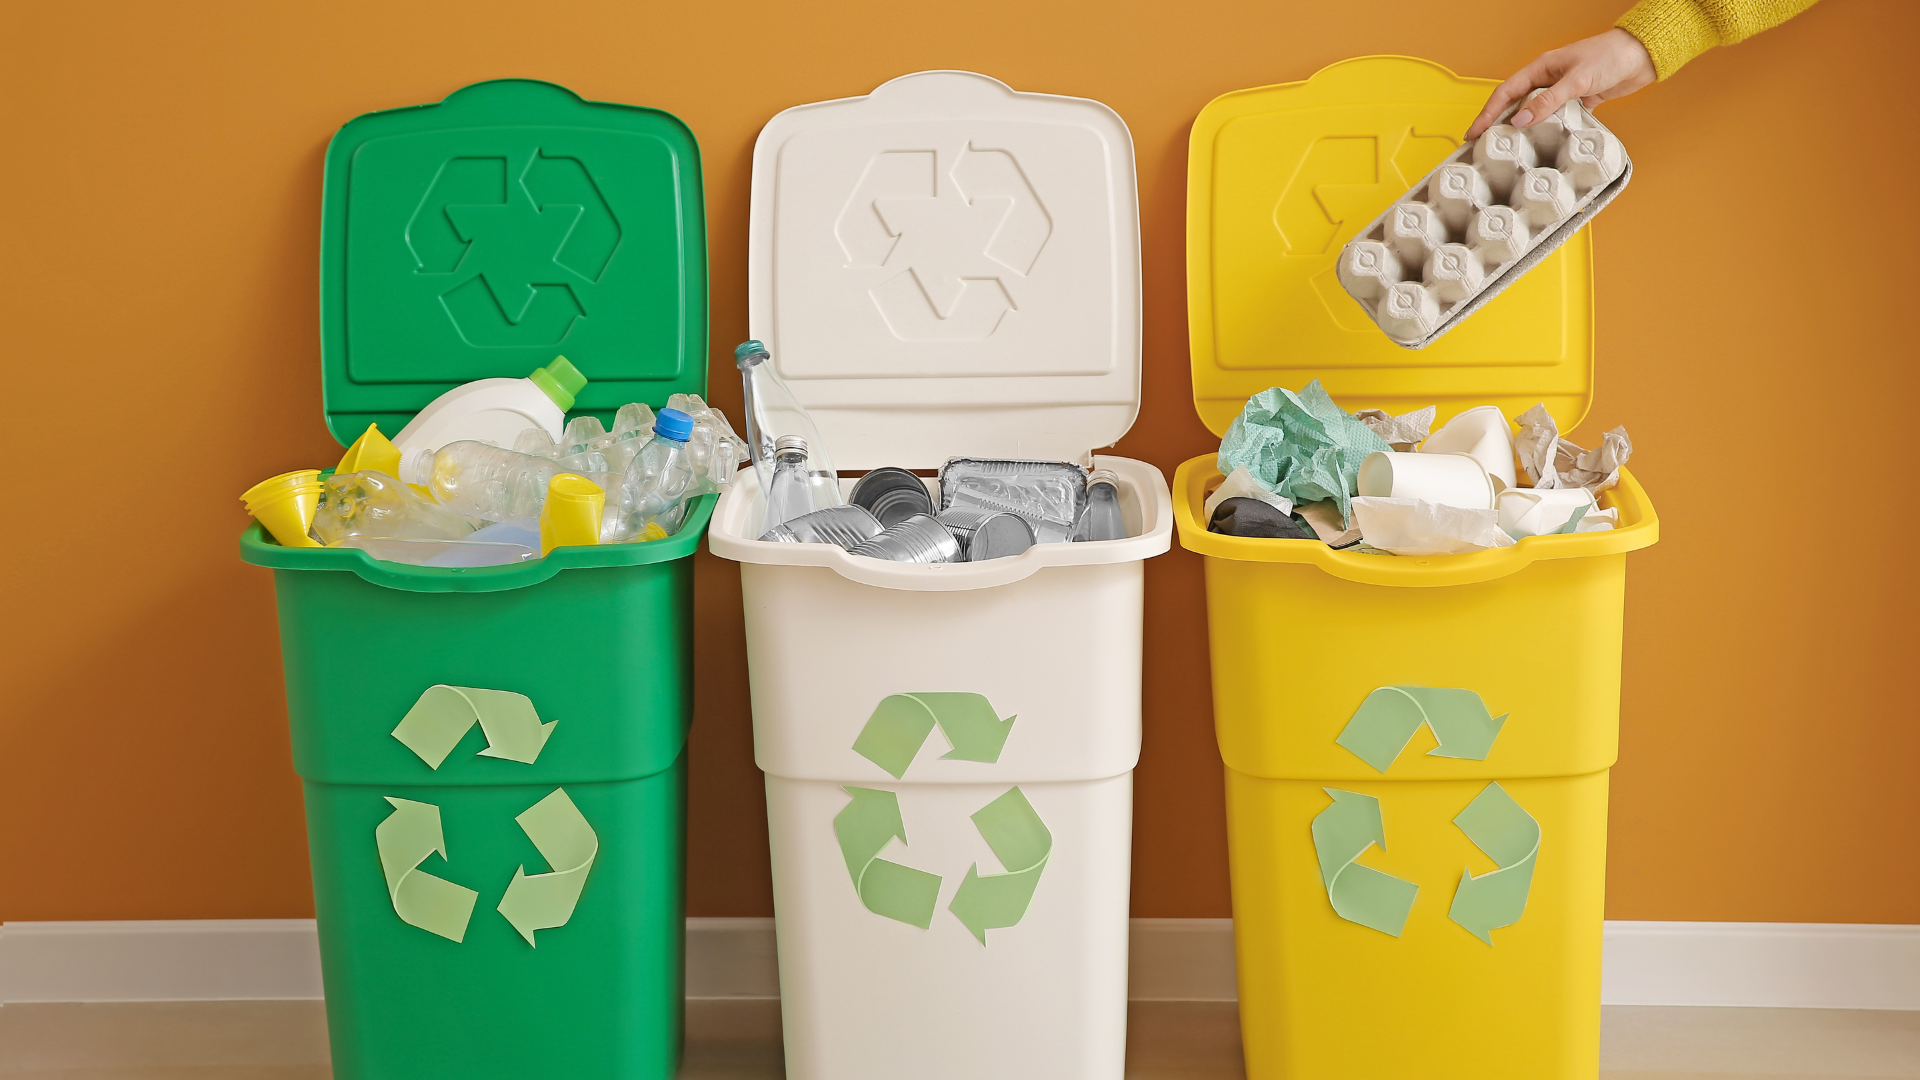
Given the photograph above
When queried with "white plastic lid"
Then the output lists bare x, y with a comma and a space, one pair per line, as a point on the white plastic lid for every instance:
947, 267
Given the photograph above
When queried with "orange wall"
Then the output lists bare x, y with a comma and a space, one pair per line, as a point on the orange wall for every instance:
161, 197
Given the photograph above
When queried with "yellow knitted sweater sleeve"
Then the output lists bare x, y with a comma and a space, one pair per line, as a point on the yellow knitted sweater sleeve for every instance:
1676, 31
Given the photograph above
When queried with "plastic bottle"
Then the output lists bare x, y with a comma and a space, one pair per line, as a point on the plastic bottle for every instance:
491, 482
491, 411
372, 504
655, 488
791, 495
1101, 519
773, 411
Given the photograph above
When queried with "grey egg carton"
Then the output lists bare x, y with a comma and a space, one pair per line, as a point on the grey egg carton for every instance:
1484, 216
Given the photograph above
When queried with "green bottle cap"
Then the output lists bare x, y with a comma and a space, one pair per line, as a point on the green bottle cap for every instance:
746, 350
560, 381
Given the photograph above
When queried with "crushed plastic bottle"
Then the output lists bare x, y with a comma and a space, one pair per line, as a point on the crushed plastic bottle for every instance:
773, 411
714, 448
378, 506
1101, 520
632, 427
654, 491
485, 481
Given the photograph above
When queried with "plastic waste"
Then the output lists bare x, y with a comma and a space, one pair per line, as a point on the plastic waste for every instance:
371, 452
773, 411
571, 515
583, 446
285, 505
492, 411
632, 427
654, 490
491, 482
716, 452
440, 552
791, 495
1101, 520
375, 505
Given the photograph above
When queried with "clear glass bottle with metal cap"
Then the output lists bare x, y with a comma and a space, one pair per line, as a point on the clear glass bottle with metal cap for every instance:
1101, 520
790, 495
773, 411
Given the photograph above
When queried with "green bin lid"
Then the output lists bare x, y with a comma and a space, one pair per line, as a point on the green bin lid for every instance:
512, 223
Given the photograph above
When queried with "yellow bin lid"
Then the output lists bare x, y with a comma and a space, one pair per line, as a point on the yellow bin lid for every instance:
1280, 177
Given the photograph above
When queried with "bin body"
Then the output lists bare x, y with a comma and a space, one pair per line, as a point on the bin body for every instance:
1322, 997
603, 654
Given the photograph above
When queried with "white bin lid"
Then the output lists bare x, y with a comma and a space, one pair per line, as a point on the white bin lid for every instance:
947, 267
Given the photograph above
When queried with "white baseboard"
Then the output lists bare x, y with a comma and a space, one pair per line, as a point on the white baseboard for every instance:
1791, 965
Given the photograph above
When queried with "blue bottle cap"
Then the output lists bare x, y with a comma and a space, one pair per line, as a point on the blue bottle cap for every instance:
673, 424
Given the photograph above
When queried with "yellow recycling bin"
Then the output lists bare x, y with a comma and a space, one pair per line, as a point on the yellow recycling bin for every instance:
1417, 748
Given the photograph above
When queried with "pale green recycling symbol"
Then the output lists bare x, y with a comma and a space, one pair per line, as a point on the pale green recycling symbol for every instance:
432, 727
1022, 843
1341, 834
1511, 838
405, 839
891, 738
902, 722
569, 844
440, 719
1387, 719
868, 824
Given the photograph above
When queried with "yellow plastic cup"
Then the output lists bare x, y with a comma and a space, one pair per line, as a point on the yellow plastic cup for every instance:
371, 452
571, 516
285, 504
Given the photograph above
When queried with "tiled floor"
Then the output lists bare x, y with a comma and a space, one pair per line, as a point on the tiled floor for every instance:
286, 1040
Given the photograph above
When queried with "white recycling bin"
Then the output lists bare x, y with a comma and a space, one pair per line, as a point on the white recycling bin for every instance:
949, 268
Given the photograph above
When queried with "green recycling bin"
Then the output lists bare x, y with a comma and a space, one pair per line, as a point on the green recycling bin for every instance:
494, 758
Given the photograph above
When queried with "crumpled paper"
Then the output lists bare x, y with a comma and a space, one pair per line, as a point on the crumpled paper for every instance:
1301, 445
1403, 431
1418, 527
1240, 484
1324, 518
1553, 462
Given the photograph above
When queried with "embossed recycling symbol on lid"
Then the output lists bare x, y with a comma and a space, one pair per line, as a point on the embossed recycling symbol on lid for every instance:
962, 232
521, 241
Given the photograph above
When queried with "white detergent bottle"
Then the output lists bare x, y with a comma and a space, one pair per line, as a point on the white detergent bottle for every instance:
491, 411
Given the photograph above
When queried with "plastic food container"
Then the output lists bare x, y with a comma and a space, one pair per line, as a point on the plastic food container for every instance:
949, 268
493, 758
1416, 802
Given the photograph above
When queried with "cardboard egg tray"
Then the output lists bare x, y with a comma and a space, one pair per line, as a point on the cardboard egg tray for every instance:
1486, 215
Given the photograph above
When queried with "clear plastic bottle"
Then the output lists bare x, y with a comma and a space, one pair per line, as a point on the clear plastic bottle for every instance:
791, 495
486, 481
654, 491
773, 411
374, 505
1101, 520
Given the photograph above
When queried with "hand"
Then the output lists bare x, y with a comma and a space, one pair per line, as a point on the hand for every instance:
1595, 69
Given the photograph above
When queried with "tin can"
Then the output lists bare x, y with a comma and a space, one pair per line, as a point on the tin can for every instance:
846, 526
987, 534
892, 495
919, 539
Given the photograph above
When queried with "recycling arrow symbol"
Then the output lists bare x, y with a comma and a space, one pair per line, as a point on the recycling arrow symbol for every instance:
1493, 821
1011, 827
407, 837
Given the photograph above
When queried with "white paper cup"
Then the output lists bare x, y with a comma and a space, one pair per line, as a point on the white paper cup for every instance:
1501, 154
1367, 268
1483, 434
1454, 272
1409, 311
1499, 234
1590, 159
1456, 191
1444, 479
1541, 511
1413, 229
1542, 196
